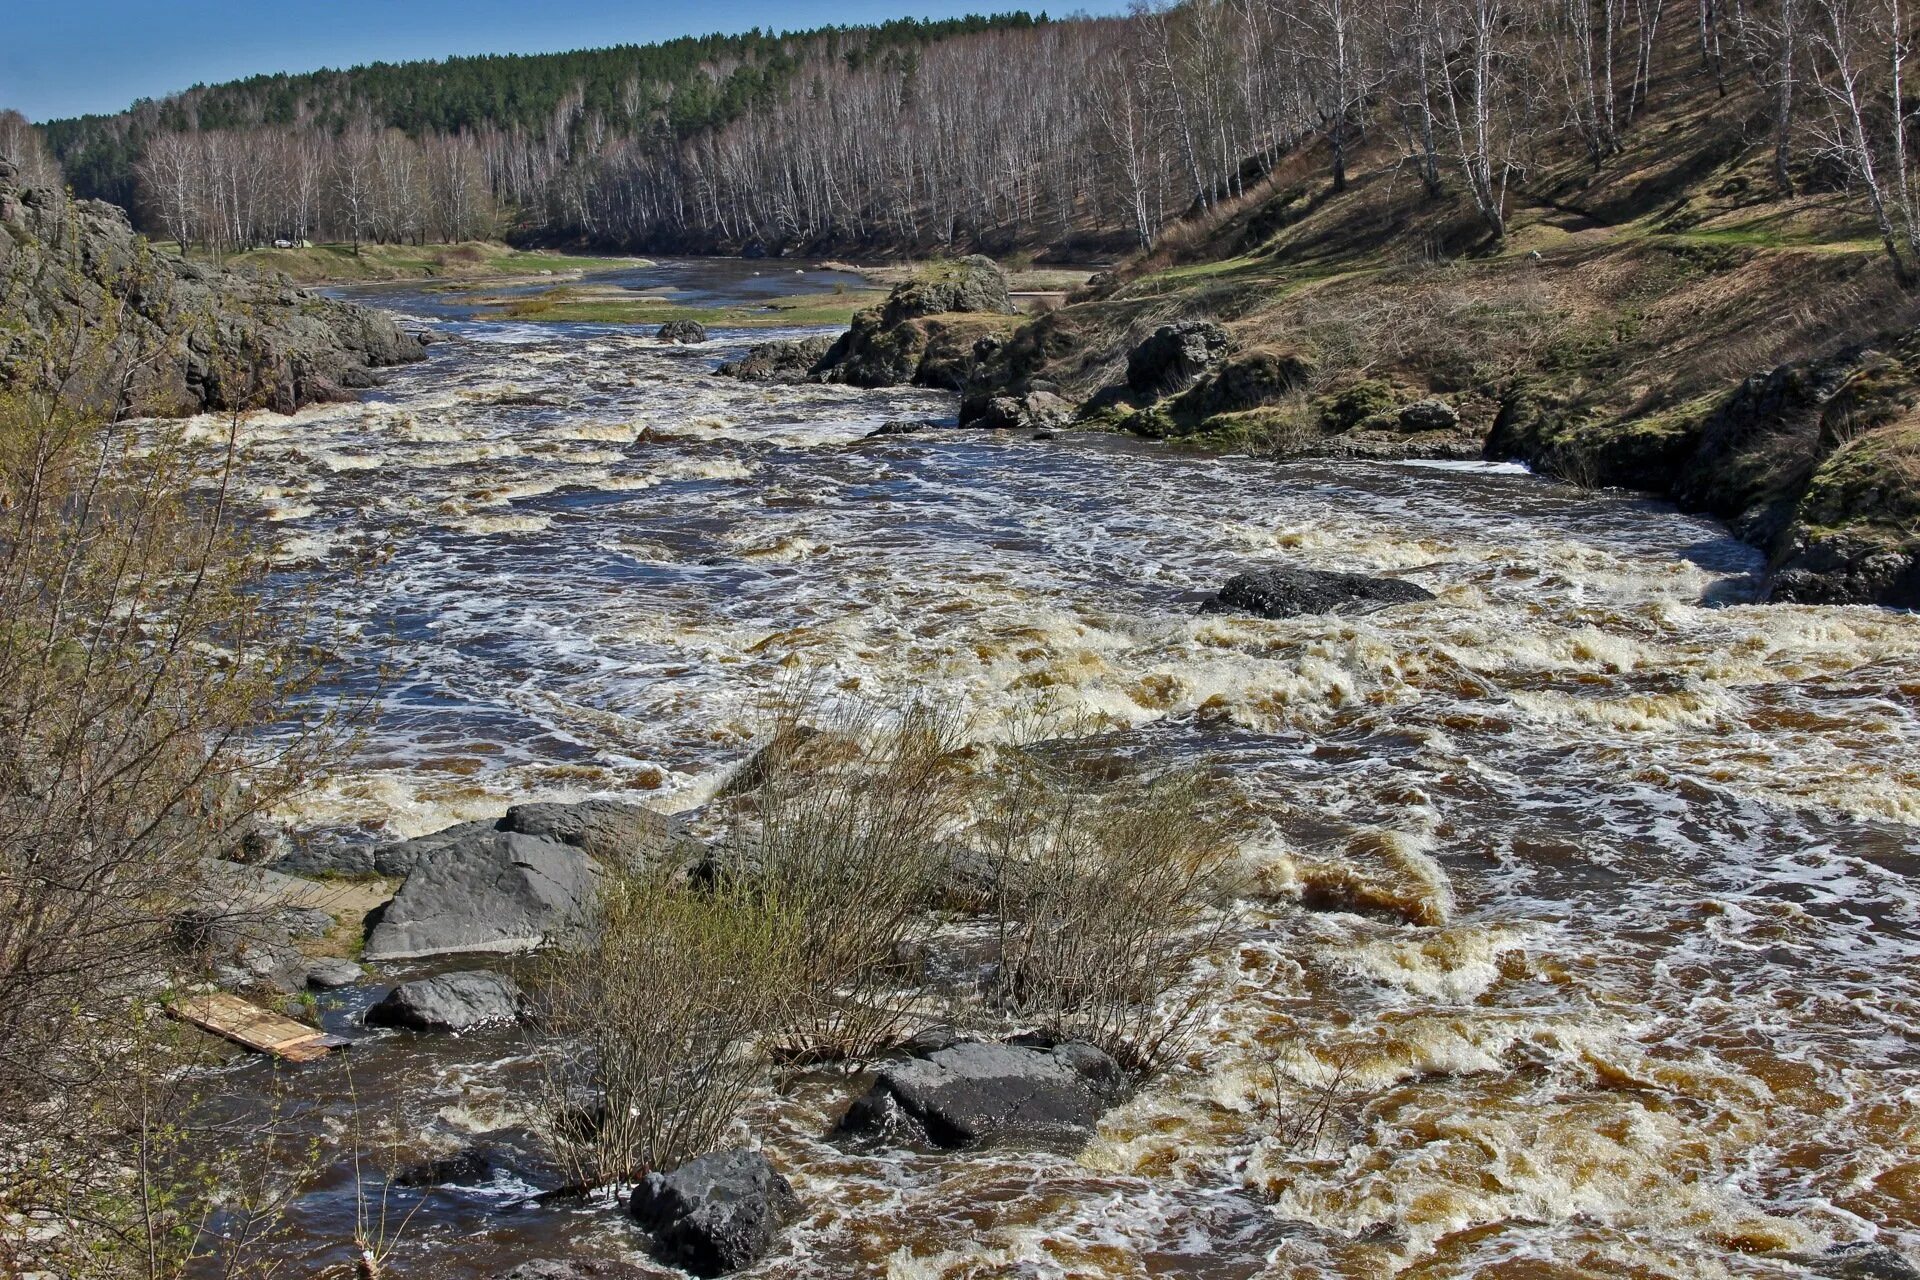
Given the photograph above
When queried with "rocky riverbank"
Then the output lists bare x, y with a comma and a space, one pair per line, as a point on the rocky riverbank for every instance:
100, 311
1816, 461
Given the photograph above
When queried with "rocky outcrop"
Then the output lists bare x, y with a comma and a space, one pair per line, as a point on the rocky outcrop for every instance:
791, 361
973, 283
449, 1002
1289, 592
1814, 461
1175, 357
162, 335
714, 1214
957, 1093
681, 332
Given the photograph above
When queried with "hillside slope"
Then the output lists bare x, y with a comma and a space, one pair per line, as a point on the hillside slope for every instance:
1660, 321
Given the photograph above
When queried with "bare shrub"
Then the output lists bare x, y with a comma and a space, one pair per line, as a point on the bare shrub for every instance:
140, 662
845, 836
1109, 900
661, 1006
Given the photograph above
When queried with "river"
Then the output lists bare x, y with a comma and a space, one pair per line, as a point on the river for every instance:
1633, 988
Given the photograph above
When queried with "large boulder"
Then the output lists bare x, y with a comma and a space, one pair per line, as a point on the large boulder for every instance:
958, 1093
973, 283
611, 829
681, 332
716, 1213
496, 891
449, 1002
1034, 411
1175, 357
1287, 592
164, 336
790, 361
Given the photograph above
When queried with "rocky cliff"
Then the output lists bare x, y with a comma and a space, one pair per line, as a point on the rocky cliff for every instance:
87, 304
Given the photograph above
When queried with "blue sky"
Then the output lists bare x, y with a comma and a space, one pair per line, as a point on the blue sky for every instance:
69, 57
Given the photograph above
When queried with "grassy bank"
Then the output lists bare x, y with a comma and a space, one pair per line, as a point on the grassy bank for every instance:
342, 264
585, 304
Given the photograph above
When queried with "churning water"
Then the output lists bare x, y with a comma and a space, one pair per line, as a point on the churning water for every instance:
1591, 914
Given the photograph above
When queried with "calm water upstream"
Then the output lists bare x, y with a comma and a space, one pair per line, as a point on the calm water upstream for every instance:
1638, 991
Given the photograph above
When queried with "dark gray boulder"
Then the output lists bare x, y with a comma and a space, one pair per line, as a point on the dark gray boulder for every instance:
716, 1213
791, 361
575, 1269
1176, 357
959, 1093
495, 891
1864, 1260
1428, 415
467, 1167
615, 830
1034, 411
1289, 592
449, 1002
330, 972
682, 331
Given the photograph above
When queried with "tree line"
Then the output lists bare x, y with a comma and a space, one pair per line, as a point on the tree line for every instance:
1006, 130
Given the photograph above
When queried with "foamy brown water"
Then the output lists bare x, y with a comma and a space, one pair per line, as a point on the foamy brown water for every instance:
1588, 926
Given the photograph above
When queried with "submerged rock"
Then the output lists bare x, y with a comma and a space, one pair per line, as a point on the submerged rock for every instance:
716, 1213
496, 891
682, 331
467, 1167
1288, 592
1864, 1260
959, 1093
449, 1002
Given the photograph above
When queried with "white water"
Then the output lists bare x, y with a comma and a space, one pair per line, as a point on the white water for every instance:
1591, 914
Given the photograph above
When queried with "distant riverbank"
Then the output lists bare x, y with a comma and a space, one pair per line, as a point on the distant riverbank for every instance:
370, 263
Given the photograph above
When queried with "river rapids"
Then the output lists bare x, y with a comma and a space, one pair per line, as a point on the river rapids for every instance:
1588, 942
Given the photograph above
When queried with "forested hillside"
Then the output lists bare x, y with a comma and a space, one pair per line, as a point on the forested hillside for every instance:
1006, 131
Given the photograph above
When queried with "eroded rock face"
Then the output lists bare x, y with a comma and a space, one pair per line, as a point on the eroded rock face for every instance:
714, 1214
1289, 592
196, 337
449, 1002
960, 1093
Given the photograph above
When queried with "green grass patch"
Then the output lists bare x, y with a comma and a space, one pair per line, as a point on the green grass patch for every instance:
565, 306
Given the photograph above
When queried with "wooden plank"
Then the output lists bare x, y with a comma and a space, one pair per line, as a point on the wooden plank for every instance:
248, 1024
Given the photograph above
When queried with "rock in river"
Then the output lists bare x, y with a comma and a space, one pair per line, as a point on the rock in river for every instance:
965, 1092
682, 331
449, 1002
488, 891
1288, 592
714, 1214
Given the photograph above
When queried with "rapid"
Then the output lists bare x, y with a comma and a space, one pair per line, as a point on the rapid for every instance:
1586, 939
